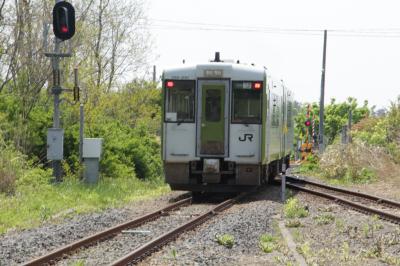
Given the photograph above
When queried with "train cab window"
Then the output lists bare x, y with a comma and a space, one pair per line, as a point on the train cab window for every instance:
179, 106
246, 102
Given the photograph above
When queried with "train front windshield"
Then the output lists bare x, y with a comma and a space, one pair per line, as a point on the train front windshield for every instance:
179, 106
246, 102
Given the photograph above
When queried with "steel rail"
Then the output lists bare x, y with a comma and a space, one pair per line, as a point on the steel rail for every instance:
58, 253
363, 208
346, 191
156, 243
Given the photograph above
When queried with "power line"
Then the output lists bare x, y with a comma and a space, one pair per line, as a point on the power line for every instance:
163, 24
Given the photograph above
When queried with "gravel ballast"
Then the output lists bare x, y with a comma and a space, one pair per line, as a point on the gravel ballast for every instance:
106, 252
246, 222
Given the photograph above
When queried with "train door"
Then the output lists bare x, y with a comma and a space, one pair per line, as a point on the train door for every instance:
212, 121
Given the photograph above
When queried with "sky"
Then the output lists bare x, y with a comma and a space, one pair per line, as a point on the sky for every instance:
363, 47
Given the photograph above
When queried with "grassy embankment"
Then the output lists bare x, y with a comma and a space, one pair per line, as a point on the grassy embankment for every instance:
34, 203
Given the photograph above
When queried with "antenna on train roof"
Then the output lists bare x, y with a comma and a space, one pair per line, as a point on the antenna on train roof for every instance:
217, 57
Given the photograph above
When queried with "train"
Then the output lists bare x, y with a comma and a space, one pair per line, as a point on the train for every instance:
226, 126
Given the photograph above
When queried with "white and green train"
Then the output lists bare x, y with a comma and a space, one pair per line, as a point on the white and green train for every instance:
226, 126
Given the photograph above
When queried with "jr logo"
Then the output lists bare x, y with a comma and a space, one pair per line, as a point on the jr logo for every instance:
246, 137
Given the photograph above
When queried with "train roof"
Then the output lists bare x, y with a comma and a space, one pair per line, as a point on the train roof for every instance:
216, 70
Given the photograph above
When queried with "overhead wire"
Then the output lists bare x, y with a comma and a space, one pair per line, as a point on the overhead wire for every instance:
164, 24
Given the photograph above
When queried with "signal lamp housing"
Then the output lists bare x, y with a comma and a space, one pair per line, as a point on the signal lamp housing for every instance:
63, 20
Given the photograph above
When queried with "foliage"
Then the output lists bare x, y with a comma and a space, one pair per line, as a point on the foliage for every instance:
293, 209
310, 165
267, 243
335, 116
226, 240
382, 131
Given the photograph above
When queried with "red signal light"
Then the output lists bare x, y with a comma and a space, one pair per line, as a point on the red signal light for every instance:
307, 123
170, 84
256, 85
64, 29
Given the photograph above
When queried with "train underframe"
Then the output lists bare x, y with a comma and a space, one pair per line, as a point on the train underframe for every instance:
228, 176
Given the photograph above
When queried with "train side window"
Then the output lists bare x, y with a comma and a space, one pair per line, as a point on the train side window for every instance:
179, 106
289, 114
246, 103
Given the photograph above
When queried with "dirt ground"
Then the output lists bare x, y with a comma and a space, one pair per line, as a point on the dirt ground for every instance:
385, 187
335, 235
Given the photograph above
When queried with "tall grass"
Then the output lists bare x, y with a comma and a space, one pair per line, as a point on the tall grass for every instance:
37, 202
12, 165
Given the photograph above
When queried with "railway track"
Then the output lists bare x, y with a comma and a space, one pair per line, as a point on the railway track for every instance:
112, 236
156, 243
386, 209
63, 252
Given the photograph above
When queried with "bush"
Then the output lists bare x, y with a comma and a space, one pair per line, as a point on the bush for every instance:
356, 162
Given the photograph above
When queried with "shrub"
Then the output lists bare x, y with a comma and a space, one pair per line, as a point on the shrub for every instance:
293, 209
356, 162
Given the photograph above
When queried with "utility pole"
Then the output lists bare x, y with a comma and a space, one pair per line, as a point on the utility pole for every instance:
321, 102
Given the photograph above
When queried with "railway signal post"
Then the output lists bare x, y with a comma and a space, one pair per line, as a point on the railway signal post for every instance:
64, 29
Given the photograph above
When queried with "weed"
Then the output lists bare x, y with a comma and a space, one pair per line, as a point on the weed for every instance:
293, 209
390, 260
267, 243
340, 225
45, 213
324, 218
297, 236
305, 250
365, 230
345, 251
78, 263
393, 238
174, 254
293, 223
376, 223
283, 261
376, 251
226, 240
